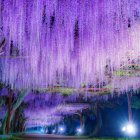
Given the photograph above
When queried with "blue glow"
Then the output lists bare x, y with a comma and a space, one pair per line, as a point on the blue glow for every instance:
42, 130
79, 130
62, 129
129, 129
54, 131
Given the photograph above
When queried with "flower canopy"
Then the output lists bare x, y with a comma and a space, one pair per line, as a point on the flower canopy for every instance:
73, 47
71, 43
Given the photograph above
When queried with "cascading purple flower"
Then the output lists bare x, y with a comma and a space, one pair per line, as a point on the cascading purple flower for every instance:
69, 42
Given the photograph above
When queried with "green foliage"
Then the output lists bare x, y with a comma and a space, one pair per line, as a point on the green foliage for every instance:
1, 85
8, 137
136, 103
65, 91
12, 138
126, 73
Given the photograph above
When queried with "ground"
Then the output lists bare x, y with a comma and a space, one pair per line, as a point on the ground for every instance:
55, 137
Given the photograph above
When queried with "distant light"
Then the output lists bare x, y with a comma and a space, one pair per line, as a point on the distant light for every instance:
79, 130
53, 131
42, 130
61, 129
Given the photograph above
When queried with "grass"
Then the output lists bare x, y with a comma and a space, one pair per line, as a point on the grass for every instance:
14, 138
115, 139
84, 138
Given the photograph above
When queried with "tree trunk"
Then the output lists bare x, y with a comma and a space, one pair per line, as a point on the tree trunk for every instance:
23, 125
4, 124
9, 112
16, 116
18, 102
129, 107
20, 99
98, 120
81, 120
18, 124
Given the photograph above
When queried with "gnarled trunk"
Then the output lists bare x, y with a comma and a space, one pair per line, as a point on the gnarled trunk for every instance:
18, 102
16, 116
8, 124
98, 120
4, 124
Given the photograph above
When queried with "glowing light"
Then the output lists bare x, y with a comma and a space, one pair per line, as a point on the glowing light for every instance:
129, 129
42, 130
61, 129
53, 131
79, 130
124, 129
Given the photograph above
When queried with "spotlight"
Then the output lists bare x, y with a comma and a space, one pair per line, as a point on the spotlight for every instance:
129, 129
